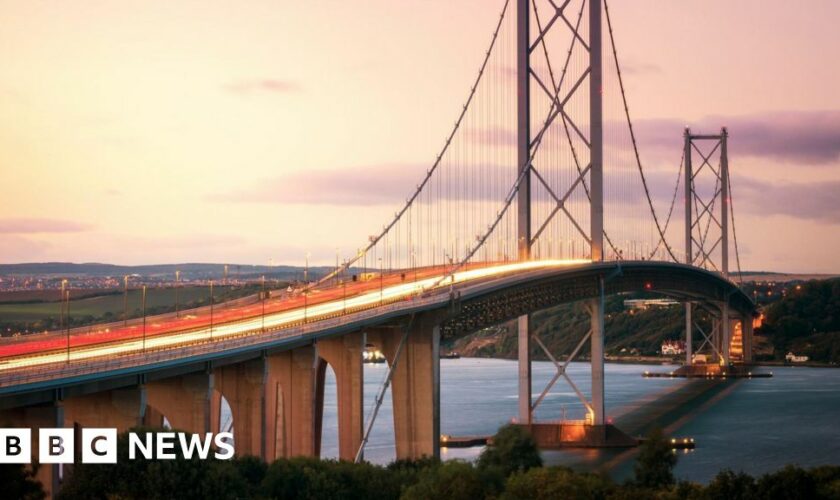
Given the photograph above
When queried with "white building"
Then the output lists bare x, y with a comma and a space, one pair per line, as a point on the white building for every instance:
793, 358
672, 348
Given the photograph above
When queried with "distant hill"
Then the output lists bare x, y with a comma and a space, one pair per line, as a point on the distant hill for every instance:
560, 328
193, 270
806, 321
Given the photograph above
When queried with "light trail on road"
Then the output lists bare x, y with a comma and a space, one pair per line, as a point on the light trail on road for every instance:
273, 321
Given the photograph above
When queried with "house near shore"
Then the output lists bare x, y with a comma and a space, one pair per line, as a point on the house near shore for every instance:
793, 358
672, 348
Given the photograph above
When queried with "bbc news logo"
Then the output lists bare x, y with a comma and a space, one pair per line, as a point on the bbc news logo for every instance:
99, 446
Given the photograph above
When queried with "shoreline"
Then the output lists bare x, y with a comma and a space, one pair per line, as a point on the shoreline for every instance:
649, 360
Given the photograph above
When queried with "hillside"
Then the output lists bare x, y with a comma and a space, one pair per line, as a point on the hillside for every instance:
561, 328
802, 317
806, 321
193, 270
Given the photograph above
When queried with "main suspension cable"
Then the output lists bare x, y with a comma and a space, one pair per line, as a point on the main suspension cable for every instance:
673, 203
373, 241
734, 232
633, 135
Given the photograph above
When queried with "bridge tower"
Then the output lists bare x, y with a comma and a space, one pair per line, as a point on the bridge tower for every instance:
707, 233
527, 46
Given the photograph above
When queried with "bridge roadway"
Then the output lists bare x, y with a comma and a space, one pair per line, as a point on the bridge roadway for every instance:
477, 298
271, 368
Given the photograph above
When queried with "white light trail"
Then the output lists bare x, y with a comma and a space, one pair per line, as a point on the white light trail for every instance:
280, 319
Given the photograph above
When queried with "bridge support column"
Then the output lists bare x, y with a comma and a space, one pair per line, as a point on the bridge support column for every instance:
272, 402
242, 385
118, 408
725, 332
415, 388
524, 342
747, 335
716, 345
184, 400
689, 326
596, 311
215, 411
290, 405
344, 355
50, 415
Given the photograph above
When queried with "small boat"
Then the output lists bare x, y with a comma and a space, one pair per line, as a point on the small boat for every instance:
450, 355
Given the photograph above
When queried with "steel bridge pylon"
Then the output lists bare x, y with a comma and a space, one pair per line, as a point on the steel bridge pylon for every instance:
527, 47
707, 236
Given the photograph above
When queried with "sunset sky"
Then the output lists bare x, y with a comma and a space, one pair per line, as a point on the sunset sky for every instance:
147, 131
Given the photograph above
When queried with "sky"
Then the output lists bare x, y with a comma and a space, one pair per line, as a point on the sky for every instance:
218, 131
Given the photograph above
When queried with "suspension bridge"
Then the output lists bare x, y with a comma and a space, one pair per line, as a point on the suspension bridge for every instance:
538, 196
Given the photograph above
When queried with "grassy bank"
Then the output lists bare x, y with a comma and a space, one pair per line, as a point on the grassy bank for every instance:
39, 316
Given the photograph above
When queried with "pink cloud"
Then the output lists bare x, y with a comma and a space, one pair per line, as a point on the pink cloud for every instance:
803, 200
379, 184
804, 137
34, 225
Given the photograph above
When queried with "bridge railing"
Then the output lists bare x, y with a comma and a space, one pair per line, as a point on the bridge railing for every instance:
227, 341
93, 329
250, 338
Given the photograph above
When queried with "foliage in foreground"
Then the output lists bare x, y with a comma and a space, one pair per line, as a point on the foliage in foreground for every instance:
508, 470
19, 482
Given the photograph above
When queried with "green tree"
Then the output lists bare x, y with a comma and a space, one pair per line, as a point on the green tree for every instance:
452, 480
555, 482
512, 449
19, 482
655, 465
312, 478
789, 483
827, 478
140, 478
732, 486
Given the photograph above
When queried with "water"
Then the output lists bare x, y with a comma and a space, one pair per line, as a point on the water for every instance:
762, 425
792, 418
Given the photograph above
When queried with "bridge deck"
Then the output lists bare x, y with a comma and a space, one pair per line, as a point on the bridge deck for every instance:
483, 294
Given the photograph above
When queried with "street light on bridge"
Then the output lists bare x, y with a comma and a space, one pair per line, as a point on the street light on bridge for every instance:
67, 323
344, 290
61, 305
144, 319
263, 302
305, 286
125, 300
336, 263
177, 285
381, 281
211, 309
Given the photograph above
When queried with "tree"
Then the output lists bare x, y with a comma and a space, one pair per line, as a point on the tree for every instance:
555, 482
19, 482
729, 485
452, 480
155, 479
789, 483
827, 478
309, 477
655, 465
512, 449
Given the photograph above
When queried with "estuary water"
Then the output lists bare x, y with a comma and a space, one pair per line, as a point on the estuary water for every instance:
759, 426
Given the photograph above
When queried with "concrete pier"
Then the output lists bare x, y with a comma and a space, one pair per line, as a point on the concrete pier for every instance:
415, 388
344, 355
290, 405
184, 400
35, 417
